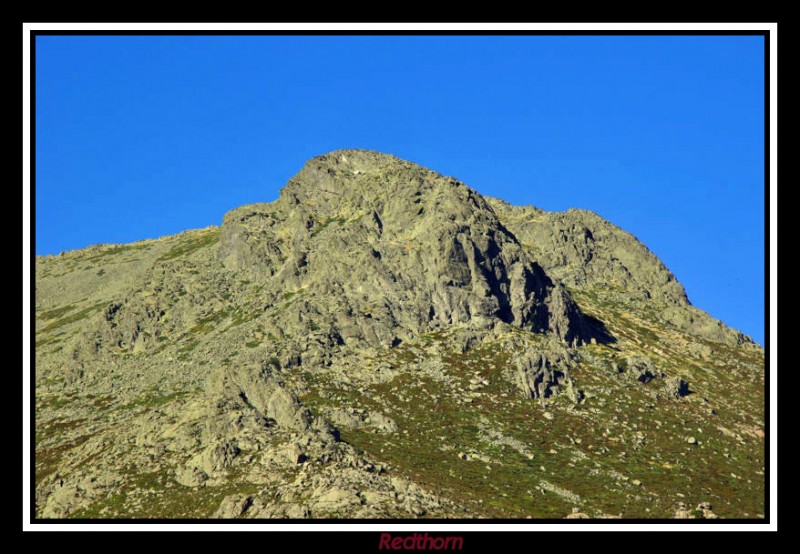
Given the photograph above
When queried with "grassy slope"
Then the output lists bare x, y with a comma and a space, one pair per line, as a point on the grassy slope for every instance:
587, 456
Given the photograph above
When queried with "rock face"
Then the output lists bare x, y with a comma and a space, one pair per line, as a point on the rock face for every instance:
262, 390
382, 341
540, 371
383, 247
582, 249
585, 251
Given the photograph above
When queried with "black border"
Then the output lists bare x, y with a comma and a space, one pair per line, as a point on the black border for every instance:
374, 535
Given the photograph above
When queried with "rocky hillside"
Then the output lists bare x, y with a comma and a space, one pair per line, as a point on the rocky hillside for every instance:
382, 341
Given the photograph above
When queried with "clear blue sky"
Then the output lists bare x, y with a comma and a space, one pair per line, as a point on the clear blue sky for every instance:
139, 137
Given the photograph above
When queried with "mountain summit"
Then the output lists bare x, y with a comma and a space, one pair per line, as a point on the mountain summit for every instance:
383, 341
386, 249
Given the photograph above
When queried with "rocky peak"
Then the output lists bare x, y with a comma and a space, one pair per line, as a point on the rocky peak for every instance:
347, 183
395, 248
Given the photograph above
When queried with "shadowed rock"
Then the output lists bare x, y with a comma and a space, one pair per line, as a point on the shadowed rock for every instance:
382, 248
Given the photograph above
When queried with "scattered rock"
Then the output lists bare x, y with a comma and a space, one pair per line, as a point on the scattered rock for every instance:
233, 506
702, 511
577, 514
294, 453
337, 498
191, 476
676, 387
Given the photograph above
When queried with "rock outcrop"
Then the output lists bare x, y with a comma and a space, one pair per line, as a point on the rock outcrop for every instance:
383, 249
585, 251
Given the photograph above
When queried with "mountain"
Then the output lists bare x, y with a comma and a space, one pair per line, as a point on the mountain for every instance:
382, 341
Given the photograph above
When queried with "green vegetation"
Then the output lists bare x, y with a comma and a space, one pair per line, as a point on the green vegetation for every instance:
56, 313
324, 225
51, 452
73, 318
208, 323
568, 455
156, 400
240, 316
158, 495
187, 246
117, 249
289, 294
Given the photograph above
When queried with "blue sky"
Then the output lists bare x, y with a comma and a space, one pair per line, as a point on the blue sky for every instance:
139, 137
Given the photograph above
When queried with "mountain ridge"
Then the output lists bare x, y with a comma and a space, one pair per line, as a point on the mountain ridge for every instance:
267, 365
